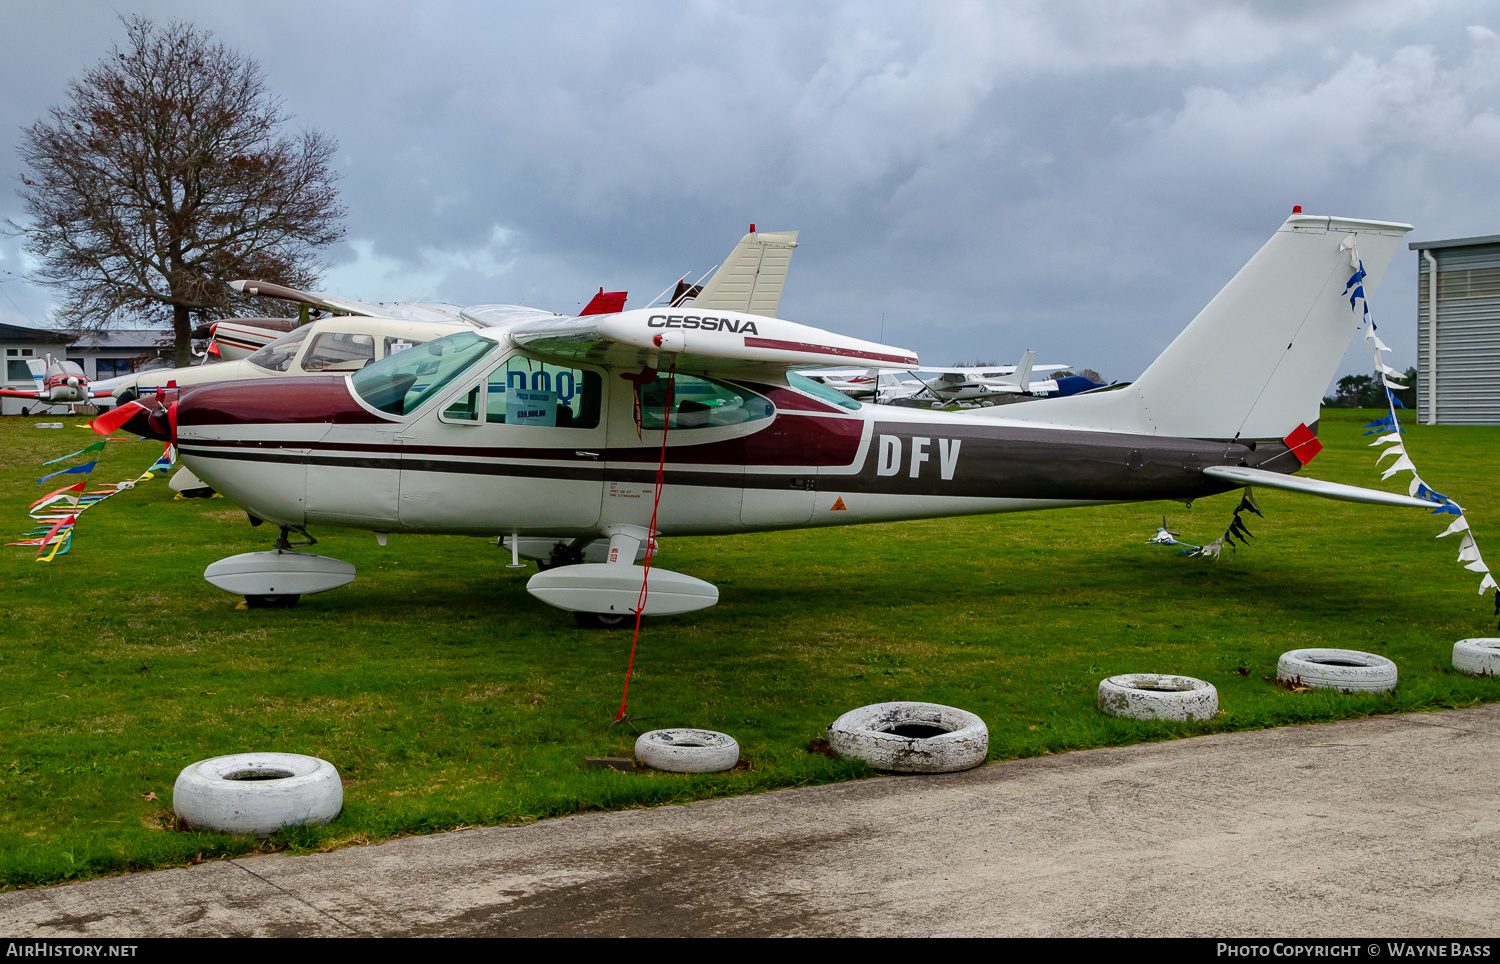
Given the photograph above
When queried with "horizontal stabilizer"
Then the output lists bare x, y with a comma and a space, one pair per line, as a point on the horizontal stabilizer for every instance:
1327, 490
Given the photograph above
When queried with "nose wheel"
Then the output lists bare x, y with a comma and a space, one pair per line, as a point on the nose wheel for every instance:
281, 601
604, 620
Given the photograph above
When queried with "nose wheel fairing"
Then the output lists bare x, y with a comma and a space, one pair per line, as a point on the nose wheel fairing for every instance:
279, 577
278, 573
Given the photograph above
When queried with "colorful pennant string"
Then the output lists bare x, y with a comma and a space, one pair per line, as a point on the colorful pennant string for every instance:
1237, 531
96, 447
57, 512
1390, 432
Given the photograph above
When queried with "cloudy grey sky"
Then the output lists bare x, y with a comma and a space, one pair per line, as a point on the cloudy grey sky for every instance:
1078, 178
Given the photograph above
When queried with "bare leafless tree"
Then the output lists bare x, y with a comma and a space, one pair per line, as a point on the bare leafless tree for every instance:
167, 174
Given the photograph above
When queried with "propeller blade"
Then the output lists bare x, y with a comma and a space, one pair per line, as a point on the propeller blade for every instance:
107, 423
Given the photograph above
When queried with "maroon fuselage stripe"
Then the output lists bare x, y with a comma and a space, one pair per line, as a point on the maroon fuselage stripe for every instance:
826, 350
259, 401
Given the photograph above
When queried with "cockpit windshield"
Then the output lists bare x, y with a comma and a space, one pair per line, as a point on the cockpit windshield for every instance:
400, 383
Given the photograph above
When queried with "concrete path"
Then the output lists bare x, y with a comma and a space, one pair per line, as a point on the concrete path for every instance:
1386, 826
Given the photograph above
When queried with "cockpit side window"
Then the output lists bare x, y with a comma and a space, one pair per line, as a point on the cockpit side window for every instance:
339, 351
278, 355
525, 391
700, 403
820, 391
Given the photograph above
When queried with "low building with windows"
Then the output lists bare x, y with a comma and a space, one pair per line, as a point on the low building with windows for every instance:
101, 355
1458, 331
22, 345
105, 354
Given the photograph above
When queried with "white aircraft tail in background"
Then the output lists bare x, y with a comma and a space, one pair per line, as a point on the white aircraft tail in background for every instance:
754, 276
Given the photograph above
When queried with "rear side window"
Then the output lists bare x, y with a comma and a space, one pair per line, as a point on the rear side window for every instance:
818, 390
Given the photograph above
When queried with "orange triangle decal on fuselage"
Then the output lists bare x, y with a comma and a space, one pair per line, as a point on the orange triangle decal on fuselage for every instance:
838, 505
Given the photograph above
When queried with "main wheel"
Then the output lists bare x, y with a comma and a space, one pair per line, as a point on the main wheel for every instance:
272, 602
604, 620
562, 555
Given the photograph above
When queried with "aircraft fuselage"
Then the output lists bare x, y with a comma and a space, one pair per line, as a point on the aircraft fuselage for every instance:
322, 455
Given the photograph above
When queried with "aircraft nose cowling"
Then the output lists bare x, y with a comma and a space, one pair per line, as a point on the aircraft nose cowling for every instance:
272, 402
255, 440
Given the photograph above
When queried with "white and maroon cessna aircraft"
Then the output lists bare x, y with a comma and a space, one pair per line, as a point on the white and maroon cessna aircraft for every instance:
547, 431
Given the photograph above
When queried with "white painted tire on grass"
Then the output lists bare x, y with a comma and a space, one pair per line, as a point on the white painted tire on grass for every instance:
687, 751
1477, 657
241, 794
1348, 670
959, 740
1154, 696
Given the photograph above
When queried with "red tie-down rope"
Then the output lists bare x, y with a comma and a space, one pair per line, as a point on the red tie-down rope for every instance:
661, 467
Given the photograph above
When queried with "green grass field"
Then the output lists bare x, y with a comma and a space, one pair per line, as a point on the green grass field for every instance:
447, 697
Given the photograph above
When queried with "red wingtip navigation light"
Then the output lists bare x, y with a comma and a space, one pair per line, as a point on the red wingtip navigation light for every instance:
1296, 209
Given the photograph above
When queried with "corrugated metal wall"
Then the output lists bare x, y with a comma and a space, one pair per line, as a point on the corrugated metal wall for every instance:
1468, 321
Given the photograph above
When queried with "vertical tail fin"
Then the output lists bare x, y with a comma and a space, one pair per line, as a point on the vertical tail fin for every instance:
1021, 377
752, 279
1254, 362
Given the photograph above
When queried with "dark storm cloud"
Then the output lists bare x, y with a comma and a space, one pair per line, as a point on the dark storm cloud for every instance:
1077, 179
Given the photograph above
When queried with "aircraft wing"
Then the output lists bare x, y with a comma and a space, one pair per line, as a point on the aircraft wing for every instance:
313, 299
1327, 490
993, 371
701, 341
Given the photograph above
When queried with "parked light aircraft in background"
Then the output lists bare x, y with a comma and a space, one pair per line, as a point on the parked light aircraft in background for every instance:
338, 344
357, 332
236, 338
58, 382
535, 428
946, 385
